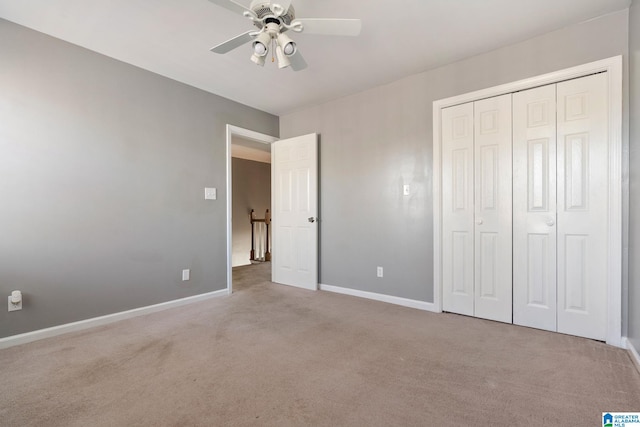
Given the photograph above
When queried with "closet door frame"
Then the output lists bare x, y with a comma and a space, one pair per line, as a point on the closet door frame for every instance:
613, 68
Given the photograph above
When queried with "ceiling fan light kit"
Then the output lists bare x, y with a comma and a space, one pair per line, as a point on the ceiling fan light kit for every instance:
258, 60
261, 44
283, 61
273, 18
288, 45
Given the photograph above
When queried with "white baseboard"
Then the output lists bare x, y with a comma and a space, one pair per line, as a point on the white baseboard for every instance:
635, 356
420, 305
103, 320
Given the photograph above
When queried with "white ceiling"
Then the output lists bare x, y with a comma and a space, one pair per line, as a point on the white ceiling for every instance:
399, 38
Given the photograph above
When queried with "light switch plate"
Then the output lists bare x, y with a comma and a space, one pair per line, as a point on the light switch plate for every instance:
406, 190
210, 193
186, 275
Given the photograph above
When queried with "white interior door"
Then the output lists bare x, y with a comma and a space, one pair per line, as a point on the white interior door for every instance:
295, 210
492, 236
457, 209
582, 206
534, 208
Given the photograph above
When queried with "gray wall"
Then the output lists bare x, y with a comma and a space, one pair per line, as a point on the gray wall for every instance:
251, 190
103, 168
375, 141
634, 172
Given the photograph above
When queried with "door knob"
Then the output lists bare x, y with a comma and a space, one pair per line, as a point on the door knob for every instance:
311, 219
479, 221
551, 222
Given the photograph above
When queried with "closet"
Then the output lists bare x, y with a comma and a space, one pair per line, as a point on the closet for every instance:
525, 183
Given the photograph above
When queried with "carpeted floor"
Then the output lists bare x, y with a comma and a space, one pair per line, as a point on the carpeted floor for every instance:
280, 356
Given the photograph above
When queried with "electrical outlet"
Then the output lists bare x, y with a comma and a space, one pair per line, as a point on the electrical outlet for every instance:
12, 306
210, 193
186, 274
379, 271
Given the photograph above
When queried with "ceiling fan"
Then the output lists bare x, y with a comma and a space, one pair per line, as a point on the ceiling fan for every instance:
273, 18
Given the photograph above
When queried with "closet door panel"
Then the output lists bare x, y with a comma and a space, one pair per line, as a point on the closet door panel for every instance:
534, 208
457, 209
582, 206
493, 188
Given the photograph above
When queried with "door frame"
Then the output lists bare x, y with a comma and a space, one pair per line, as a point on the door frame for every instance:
613, 67
232, 131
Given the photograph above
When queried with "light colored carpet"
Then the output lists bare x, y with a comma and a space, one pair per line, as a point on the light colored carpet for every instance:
280, 356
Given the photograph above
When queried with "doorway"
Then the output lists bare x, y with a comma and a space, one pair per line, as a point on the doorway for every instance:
250, 152
294, 174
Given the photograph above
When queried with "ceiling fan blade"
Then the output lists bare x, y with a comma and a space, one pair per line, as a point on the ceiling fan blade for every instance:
297, 61
279, 7
233, 43
233, 7
333, 27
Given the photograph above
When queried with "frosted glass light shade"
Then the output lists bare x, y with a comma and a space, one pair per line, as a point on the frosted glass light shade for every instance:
260, 49
288, 45
261, 44
289, 49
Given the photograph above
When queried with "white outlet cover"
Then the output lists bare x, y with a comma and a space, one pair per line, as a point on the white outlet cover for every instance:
406, 190
186, 274
380, 271
13, 307
210, 193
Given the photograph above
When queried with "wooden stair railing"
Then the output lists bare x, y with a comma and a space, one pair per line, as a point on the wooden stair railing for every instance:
267, 221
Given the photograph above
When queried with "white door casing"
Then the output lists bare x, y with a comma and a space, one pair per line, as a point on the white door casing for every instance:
295, 211
582, 206
458, 209
534, 208
493, 188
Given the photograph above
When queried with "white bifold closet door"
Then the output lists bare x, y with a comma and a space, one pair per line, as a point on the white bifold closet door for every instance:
477, 188
458, 210
560, 207
534, 208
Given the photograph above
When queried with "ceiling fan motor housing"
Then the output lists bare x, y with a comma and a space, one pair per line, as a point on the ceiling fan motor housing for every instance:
262, 9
